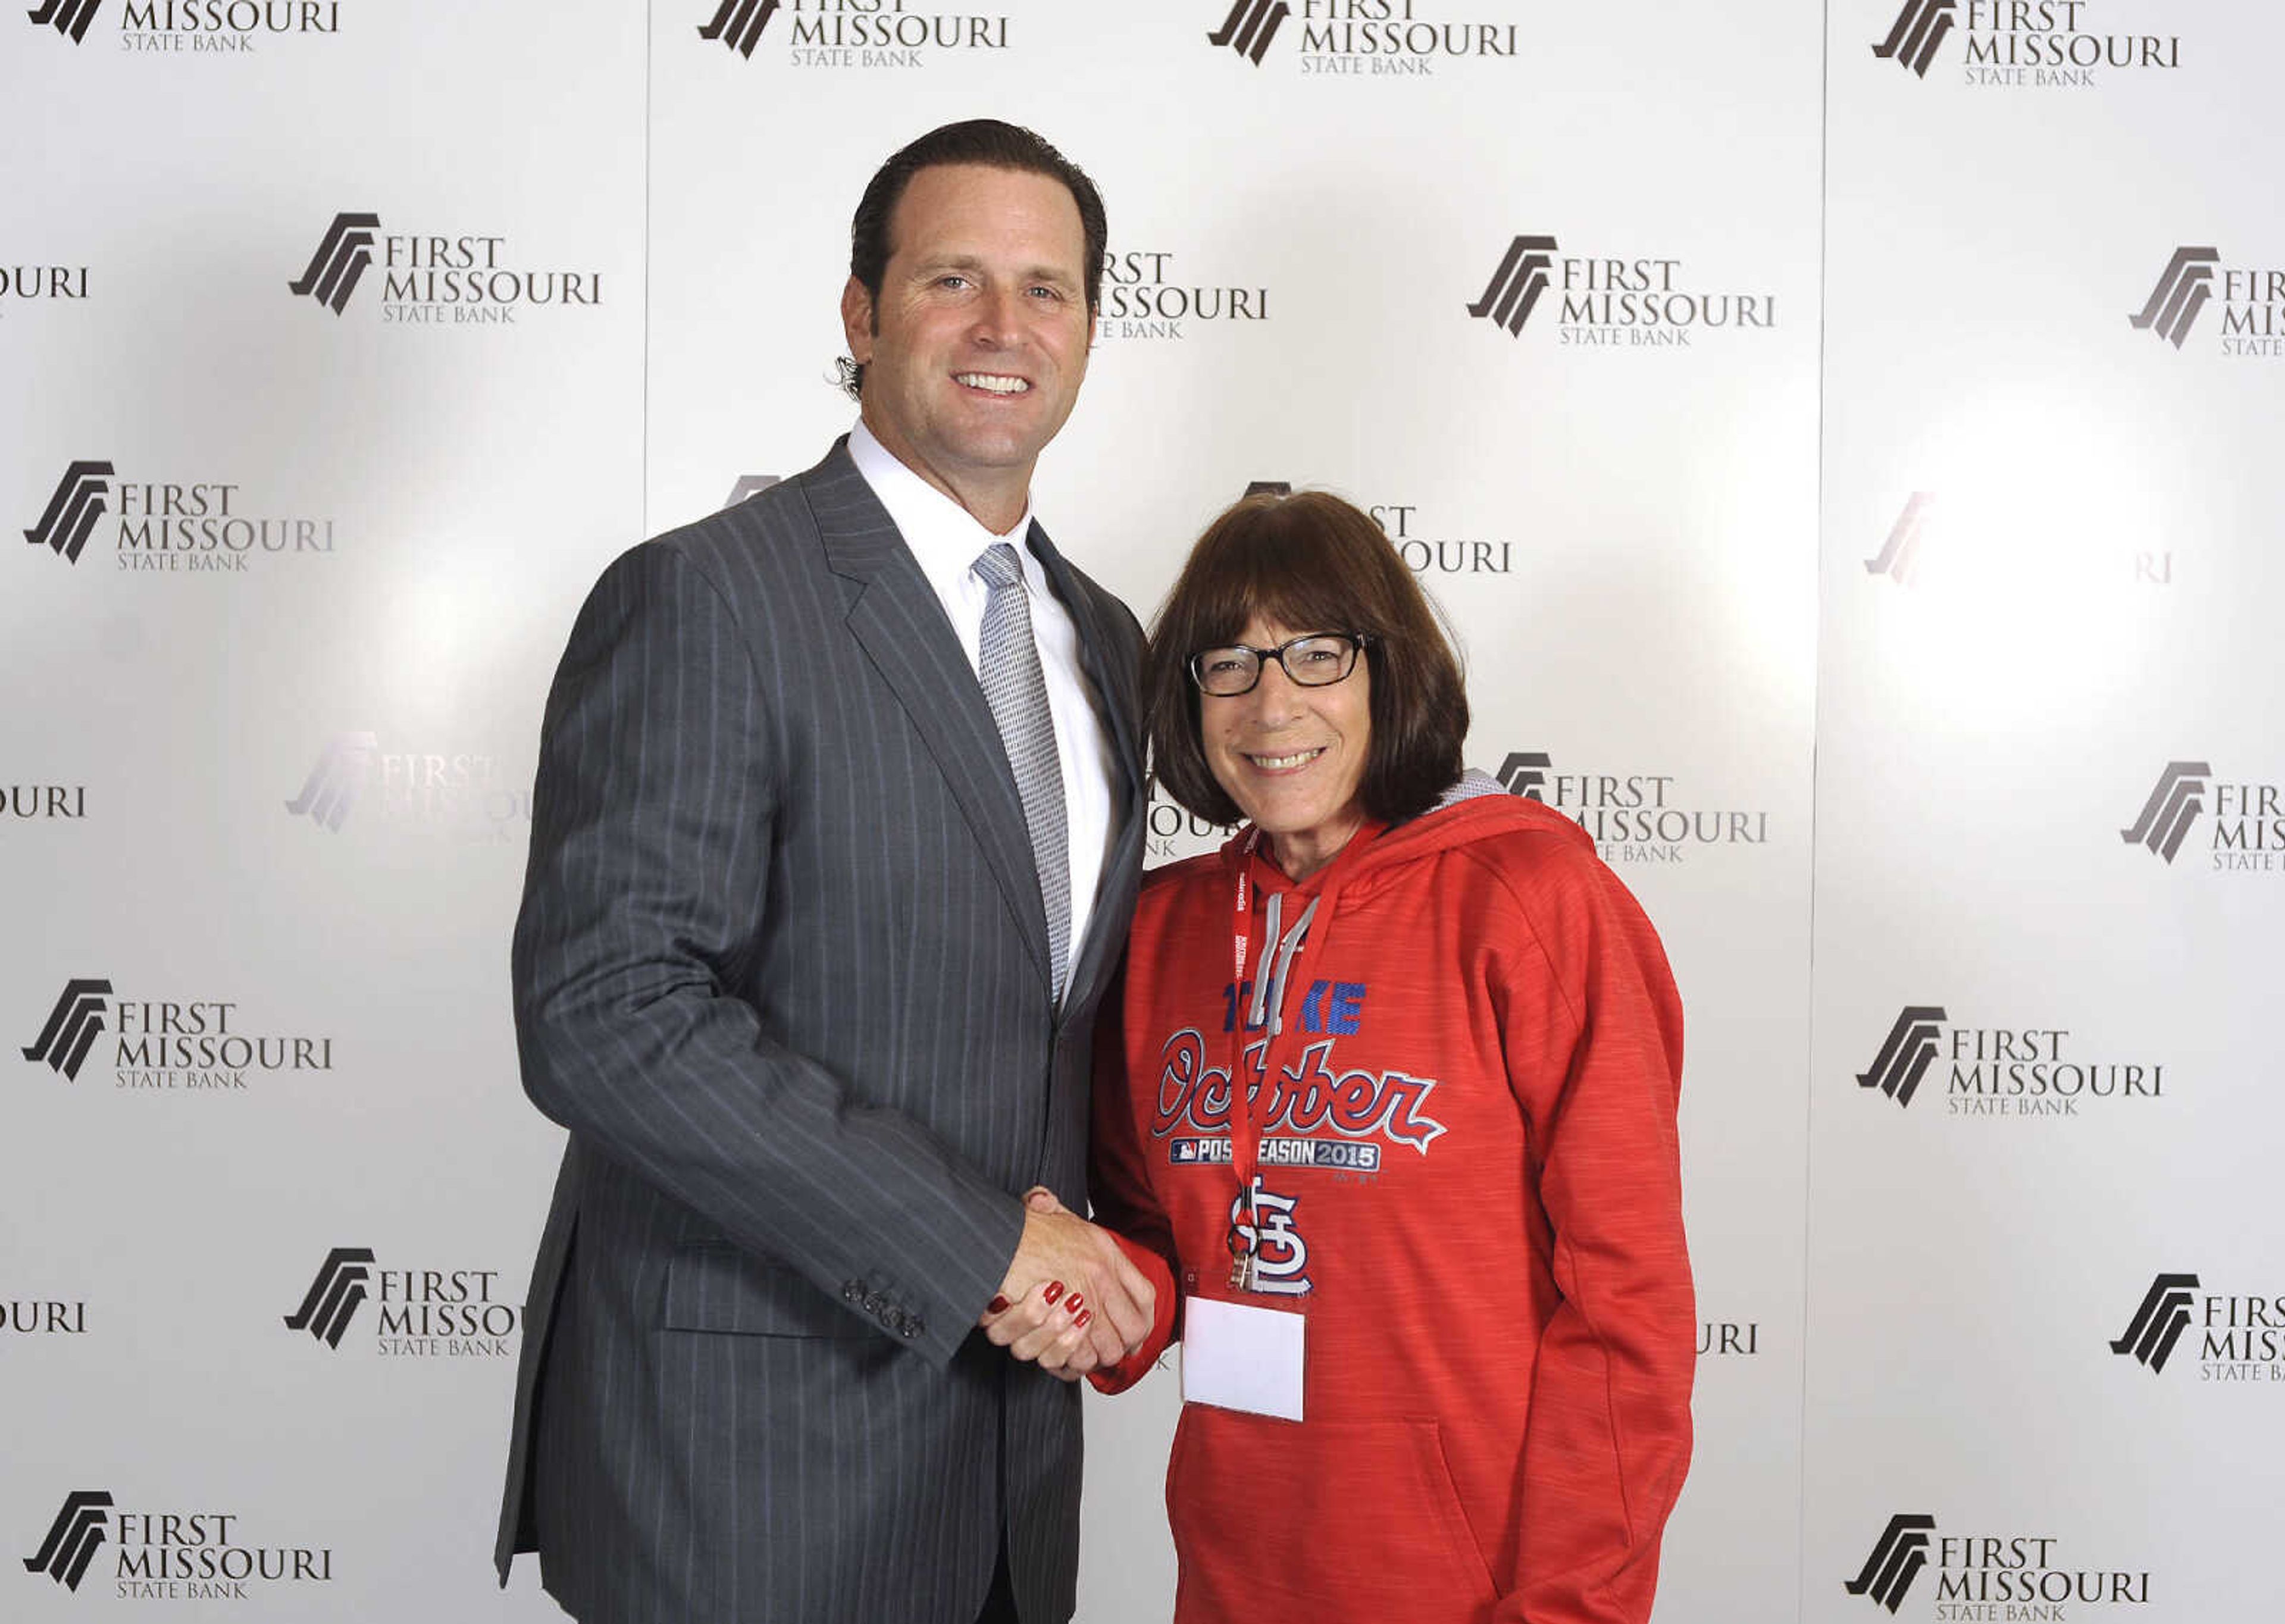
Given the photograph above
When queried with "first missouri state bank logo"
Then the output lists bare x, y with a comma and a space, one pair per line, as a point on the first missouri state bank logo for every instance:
2252, 300
168, 1044
172, 1555
1919, 28
749, 484
2174, 804
1144, 299
69, 18
1517, 283
30, 285
79, 1531
739, 24
1899, 557
1606, 301
77, 1020
81, 499
1633, 817
333, 1296
194, 526
2241, 1335
2247, 818
2014, 1069
852, 32
2024, 44
2009, 1574
436, 278
420, 1313
1363, 38
1250, 27
194, 26
2159, 1322
336, 780
465, 794
1898, 1557
2183, 290
1967, 548
343, 257
1907, 1052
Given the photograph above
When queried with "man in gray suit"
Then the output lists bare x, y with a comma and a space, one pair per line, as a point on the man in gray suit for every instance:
837, 833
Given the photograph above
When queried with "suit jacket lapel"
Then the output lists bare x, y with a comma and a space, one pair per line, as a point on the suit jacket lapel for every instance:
1125, 728
894, 615
1092, 958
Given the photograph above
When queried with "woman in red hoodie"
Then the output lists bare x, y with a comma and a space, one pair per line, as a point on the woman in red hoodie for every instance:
1436, 1309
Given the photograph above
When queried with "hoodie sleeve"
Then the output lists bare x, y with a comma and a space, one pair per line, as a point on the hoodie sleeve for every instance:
1119, 1190
1592, 1027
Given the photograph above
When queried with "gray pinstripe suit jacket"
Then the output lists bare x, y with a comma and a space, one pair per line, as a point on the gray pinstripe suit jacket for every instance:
781, 971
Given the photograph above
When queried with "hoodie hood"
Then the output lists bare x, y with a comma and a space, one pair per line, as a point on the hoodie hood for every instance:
1474, 808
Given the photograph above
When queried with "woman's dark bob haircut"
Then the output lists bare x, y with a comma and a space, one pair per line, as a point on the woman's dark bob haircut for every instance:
1309, 562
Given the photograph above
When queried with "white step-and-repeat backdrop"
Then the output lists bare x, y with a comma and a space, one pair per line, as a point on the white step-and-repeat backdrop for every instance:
1841, 437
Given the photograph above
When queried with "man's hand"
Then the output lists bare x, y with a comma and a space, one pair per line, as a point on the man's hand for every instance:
1072, 1301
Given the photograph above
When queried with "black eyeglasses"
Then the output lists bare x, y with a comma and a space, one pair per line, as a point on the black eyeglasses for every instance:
1314, 660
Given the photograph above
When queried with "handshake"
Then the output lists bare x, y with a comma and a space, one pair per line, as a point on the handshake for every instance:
1072, 1302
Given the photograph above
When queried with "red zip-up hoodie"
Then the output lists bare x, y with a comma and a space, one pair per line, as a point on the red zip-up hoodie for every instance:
1469, 1187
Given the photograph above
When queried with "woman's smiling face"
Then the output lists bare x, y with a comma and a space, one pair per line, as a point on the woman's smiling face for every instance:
1292, 756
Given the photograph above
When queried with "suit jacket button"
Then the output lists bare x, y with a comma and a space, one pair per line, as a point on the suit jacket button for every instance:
911, 1327
872, 1302
851, 1290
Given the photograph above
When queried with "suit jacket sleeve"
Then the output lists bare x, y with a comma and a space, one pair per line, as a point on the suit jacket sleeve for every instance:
649, 872
1118, 1185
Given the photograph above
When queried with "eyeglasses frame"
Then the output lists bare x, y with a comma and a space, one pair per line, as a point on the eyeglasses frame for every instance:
1359, 642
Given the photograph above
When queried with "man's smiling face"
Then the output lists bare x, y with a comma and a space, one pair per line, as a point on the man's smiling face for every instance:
974, 351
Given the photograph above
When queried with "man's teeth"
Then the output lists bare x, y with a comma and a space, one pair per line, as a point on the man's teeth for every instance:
1278, 763
992, 383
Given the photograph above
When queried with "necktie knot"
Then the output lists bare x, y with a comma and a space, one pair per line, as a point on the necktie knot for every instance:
998, 566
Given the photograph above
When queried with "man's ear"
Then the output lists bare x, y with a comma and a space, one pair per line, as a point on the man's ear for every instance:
857, 320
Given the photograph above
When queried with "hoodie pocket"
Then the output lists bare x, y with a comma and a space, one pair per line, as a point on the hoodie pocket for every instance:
1358, 1519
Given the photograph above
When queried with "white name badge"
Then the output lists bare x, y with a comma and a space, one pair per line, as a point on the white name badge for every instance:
1239, 1357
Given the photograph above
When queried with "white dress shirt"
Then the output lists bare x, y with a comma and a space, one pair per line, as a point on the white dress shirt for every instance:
947, 540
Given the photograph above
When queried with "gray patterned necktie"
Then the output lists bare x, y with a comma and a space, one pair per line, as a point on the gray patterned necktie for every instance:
1009, 665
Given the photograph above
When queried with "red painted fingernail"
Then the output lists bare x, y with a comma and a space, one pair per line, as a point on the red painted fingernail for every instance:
999, 1304
1085, 1315
1073, 1303
1055, 1289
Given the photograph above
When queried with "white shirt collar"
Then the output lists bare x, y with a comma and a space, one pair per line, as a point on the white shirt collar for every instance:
945, 538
